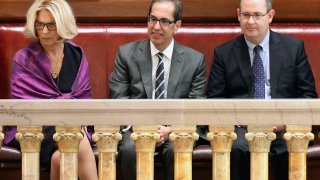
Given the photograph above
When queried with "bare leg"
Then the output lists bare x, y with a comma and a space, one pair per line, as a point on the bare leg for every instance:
87, 169
55, 166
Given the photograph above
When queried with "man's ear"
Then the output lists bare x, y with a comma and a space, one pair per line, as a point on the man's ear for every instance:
238, 13
271, 15
177, 26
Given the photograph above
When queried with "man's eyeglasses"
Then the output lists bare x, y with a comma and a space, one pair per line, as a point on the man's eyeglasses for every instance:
256, 16
164, 22
40, 26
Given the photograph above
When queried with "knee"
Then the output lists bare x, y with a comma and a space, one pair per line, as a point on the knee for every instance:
239, 148
168, 150
55, 159
128, 150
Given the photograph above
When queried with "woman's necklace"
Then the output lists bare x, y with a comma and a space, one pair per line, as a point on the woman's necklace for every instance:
54, 71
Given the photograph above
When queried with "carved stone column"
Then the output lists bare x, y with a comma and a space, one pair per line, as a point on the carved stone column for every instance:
259, 138
145, 138
1, 136
107, 138
298, 138
221, 139
30, 142
68, 139
183, 138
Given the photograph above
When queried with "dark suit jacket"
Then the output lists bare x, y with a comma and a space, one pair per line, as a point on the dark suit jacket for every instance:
290, 72
132, 75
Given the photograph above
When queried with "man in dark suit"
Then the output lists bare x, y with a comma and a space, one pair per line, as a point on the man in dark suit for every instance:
138, 75
263, 64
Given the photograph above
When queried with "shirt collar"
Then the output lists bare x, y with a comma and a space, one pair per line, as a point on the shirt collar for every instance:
167, 52
264, 44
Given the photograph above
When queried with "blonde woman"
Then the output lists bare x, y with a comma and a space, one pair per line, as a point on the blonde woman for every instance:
52, 67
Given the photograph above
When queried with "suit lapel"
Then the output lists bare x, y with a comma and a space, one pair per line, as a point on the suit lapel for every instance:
241, 54
276, 59
175, 69
145, 65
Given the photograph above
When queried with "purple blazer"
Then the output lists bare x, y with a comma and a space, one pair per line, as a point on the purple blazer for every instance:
31, 79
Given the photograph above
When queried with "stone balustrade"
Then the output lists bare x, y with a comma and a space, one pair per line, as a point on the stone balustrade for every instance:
107, 115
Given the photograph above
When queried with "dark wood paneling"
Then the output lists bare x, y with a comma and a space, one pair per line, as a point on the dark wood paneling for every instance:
196, 11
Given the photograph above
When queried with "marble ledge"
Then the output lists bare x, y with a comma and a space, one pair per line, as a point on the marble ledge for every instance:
152, 112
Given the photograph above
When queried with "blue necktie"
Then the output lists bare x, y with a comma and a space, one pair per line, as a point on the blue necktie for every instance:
258, 75
159, 87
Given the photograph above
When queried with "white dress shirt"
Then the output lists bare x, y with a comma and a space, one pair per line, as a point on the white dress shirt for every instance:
167, 56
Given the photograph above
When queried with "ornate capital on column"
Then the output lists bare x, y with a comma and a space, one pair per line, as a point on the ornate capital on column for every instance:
30, 138
1, 136
221, 138
260, 138
221, 141
145, 142
183, 142
68, 139
298, 138
183, 137
107, 141
260, 142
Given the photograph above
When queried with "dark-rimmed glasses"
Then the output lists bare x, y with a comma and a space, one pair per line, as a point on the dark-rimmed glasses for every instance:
256, 16
164, 22
40, 25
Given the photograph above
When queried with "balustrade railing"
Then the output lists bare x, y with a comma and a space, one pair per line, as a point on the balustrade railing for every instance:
107, 115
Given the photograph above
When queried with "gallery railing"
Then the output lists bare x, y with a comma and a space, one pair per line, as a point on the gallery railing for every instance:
183, 115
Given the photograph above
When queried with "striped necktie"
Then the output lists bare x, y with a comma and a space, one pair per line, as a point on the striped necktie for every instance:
258, 75
159, 87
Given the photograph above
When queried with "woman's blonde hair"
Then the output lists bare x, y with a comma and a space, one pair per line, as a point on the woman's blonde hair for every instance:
62, 14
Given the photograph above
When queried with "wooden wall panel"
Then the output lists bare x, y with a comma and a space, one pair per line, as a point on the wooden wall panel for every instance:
135, 11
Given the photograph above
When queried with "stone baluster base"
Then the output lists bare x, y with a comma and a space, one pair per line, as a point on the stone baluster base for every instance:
107, 138
30, 139
298, 138
145, 138
68, 139
221, 139
259, 138
183, 138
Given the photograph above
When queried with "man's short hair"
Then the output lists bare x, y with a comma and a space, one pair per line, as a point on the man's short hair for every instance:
62, 14
268, 4
178, 8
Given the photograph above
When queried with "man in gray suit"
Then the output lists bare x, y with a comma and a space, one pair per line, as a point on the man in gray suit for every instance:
153, 69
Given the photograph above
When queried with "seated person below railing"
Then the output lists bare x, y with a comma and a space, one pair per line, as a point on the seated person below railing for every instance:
260, 64
101, 41
156, 68
38, 74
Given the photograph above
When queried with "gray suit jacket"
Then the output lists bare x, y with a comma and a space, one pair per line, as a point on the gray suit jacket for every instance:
132, 75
